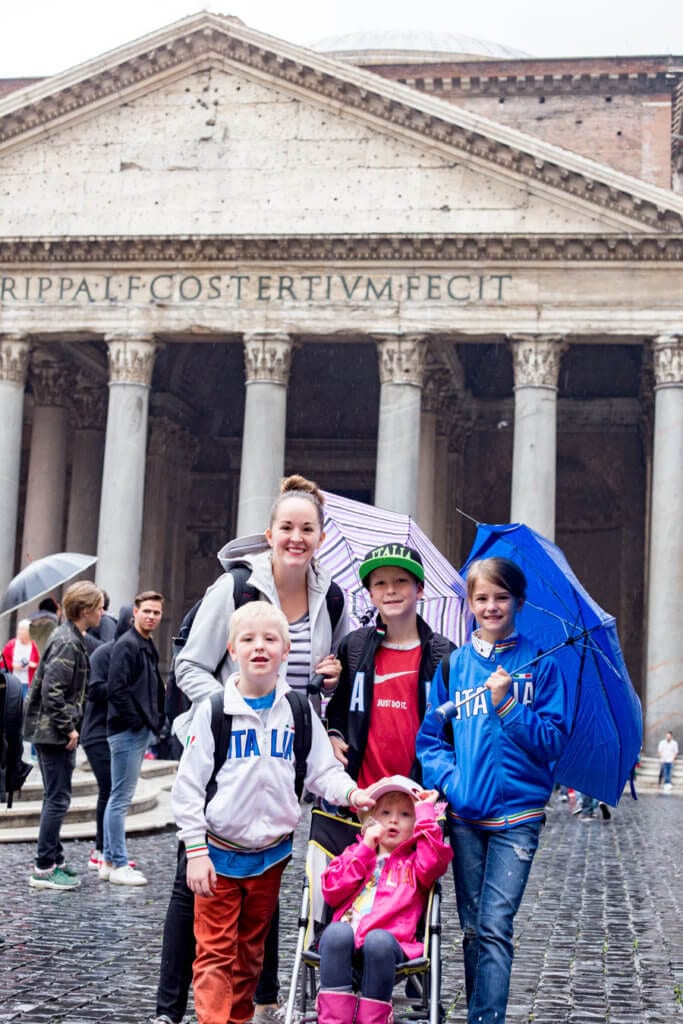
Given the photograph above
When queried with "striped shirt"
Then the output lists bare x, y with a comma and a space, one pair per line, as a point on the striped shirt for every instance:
299, 659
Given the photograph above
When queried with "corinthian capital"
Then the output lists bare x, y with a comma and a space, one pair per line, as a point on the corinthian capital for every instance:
14, 355
51, 381
667, 352
267, 356
401, 359
536, 360
89, 407
131, 360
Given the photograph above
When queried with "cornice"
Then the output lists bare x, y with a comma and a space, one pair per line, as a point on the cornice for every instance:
209, 36
471, 80
112, 250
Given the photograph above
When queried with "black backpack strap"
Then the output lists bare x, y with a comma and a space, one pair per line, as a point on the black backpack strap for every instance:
334, 599
221, 727
446, 669
303, 736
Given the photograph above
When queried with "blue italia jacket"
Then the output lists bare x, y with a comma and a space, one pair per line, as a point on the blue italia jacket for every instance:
495, 767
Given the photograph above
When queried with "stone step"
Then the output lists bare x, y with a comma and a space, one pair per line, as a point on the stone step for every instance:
150, 809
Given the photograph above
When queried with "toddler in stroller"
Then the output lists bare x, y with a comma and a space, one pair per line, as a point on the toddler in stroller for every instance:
378, 890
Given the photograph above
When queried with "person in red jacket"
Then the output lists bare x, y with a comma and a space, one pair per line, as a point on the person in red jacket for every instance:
378, 889
21, 656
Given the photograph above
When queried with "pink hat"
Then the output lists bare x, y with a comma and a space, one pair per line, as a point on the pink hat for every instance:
395, 784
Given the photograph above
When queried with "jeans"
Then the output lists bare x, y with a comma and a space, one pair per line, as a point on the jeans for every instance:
490, 871
99, 759
178, 951
380, 955
666, 772
127, 753
56, 767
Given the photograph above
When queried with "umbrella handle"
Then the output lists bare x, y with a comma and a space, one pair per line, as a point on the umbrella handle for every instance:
451, 707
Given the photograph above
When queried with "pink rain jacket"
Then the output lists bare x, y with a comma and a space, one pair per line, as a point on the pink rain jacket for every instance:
403, 887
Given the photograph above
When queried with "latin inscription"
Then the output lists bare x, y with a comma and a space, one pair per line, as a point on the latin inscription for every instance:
90, 289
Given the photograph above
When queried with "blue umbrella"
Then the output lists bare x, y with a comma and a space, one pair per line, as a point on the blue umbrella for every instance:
563, 619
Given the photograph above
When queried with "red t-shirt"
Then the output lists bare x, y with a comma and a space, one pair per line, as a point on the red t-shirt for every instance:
394, 714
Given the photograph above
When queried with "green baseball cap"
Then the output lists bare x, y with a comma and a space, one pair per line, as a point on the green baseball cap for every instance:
392, 554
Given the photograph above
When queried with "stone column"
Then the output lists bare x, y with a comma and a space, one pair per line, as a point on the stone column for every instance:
89, 415
536, 363
131, 361
52, 386
426, 488
267, 361
14, 357
664, 671
401, 365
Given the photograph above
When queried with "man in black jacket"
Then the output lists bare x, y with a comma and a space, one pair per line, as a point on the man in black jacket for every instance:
134, 716
377, 708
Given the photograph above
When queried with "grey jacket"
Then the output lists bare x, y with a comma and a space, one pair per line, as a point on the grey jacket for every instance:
208, 639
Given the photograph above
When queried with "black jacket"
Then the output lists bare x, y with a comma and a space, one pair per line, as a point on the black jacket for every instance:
357, 654
94, 727
134, 686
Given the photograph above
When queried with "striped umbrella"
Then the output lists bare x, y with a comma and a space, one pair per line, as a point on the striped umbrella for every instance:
353, 528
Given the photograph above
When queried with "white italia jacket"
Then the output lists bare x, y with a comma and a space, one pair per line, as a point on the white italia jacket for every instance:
255, 805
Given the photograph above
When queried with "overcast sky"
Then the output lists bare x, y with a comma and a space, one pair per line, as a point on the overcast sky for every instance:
42, 37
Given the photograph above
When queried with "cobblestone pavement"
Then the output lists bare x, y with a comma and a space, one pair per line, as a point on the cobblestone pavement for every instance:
599, 935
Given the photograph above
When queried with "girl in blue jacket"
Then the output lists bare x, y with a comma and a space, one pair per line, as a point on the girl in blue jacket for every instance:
496, 770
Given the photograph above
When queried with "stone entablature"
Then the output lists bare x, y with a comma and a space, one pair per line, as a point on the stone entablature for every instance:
213, 40
202, 249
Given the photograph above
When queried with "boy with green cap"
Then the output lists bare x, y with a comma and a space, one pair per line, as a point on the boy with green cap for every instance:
378, 706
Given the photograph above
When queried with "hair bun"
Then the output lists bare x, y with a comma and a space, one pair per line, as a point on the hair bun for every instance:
300, 483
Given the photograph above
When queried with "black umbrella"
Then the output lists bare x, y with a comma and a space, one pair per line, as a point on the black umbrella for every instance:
42, 576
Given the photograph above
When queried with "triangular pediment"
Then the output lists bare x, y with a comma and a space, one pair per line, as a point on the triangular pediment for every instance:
210, 128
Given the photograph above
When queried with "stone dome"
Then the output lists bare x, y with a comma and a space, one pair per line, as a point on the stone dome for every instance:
404, 47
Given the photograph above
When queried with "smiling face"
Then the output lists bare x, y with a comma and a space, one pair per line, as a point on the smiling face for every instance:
395, 812
394, 592
259, 648
295, 534
494, 608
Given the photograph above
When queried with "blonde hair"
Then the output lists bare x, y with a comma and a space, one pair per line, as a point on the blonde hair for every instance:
257, 611
393, 797
500, 571
299, 487
79, 598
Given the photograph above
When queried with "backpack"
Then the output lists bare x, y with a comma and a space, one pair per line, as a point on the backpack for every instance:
15, 770
243, 592
221, 727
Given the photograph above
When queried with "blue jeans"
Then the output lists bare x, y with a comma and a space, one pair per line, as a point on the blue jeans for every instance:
56, 767
490, 871
127, 753
666, 772
380, 955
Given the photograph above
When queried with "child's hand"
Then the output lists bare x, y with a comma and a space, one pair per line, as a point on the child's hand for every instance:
201, 876
373, 833
340, 748
330, 667
498, 683
429, 796
361, 800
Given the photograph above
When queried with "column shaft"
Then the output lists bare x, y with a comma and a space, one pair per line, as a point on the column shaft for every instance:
14, 355
664, 671
401, 364
123, 477
536, 364
267, 364
46, 485
90, 405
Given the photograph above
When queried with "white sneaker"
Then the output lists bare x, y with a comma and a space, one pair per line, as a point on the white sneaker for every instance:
104, 872
127, 875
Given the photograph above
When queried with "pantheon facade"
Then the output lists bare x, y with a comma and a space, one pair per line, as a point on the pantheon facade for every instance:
443, 278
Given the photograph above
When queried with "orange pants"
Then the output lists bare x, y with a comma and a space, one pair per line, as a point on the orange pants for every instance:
230, 928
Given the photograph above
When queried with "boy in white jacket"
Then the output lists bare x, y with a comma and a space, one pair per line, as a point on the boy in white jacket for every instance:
239, 843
